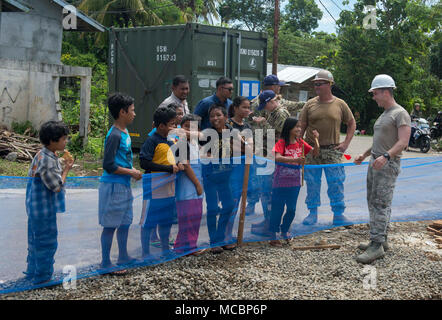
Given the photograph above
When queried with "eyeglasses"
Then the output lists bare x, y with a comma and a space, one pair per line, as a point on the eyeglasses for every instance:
318, 84
230, 89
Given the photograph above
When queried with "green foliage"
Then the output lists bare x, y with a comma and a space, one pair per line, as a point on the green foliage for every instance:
254, 15
70, 93
400, 47
94, 146
24, 128
302, 49
301, 15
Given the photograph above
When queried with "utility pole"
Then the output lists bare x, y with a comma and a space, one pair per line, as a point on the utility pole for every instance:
275, 39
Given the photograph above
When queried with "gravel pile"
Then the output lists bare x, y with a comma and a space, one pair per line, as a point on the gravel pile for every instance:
412, 269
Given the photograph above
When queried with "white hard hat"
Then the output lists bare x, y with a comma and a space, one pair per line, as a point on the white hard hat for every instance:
382, 81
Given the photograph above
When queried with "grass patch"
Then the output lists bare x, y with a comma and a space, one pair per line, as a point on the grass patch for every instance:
13, 169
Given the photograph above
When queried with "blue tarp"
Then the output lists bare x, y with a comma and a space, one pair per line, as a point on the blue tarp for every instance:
417, 196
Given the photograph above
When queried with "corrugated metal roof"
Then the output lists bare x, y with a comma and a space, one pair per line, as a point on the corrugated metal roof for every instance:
295, 74
18, 5
89, 21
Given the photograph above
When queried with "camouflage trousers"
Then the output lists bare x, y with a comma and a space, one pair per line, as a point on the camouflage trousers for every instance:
335, 176
380, 187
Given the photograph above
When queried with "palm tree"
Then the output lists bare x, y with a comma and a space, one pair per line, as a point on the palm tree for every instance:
123, 13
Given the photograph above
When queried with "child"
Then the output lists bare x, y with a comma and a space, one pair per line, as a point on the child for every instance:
45, 196
115, 194
189, 192
286, 182
238, 111
156, 156
216, 179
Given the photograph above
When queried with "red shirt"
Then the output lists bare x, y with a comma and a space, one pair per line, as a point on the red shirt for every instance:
285, 176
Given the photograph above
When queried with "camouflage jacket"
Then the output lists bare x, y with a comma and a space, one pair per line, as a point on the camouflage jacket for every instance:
293, 107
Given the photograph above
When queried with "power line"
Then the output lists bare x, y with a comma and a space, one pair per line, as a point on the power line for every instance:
327, 11
336, 5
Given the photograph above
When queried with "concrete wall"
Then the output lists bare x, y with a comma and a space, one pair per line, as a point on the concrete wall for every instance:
28, 90
33, 36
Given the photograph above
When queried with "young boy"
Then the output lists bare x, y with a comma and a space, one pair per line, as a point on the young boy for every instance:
45, 196
115, 194
189, 191
156, 156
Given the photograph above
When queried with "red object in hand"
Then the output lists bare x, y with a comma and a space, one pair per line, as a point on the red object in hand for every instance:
347, 156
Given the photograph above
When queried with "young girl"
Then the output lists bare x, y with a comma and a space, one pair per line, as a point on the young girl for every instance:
216, 180
238, 111
286, 183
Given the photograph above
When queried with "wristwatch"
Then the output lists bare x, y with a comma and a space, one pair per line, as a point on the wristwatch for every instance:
386, 155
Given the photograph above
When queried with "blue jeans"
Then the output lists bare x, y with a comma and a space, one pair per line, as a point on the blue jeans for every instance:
42, 245
282, 197
335, 176
217, 189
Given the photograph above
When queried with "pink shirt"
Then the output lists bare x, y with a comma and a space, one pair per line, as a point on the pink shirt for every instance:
286, 177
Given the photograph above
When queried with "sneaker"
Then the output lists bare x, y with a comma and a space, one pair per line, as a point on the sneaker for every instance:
312, 218
340, 219
216, 250
229, 247
275, 243
374, 251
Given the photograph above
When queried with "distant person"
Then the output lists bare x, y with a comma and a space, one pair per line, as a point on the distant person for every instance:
180, 92
115, 193
390, 138
325, 114
45, 197
417, 112
222, 96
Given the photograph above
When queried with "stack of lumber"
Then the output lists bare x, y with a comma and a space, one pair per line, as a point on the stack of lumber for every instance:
435, 229
25, 146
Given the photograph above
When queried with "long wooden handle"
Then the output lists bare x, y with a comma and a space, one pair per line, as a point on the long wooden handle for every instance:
303, 154
242, 215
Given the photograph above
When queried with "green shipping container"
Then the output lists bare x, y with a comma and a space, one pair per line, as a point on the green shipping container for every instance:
143, 61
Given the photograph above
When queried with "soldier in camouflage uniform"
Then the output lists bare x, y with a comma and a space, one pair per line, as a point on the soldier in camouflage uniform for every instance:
325, 113
391, 134
258, 120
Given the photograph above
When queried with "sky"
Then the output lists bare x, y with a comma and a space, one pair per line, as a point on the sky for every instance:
327, 24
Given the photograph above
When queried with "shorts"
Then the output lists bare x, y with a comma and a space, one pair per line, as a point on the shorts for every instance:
114, 205
160, 212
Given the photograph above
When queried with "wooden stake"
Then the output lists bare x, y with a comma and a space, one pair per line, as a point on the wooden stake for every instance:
242, 214
325, 246
302, 170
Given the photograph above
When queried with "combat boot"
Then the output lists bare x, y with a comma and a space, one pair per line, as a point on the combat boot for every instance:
373, 252
364, 246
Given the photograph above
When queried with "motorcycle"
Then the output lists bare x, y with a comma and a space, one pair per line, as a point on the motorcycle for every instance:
420, 135
436, 129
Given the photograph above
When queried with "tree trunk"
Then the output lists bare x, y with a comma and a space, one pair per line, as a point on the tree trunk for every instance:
275, 40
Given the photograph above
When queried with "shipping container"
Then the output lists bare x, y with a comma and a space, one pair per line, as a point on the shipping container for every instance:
143, 61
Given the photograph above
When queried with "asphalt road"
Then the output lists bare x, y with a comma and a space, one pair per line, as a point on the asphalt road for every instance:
360, 144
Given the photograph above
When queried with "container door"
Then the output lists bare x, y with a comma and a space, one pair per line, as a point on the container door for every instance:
248, 63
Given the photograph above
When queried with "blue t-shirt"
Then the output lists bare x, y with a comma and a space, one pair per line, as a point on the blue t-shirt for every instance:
202, 109
117, 153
